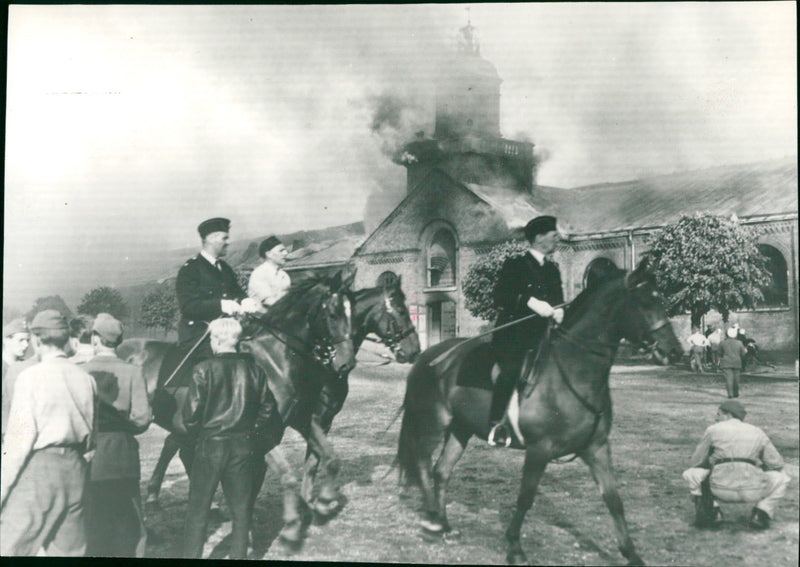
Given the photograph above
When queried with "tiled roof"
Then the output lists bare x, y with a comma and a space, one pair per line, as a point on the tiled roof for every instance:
750, 189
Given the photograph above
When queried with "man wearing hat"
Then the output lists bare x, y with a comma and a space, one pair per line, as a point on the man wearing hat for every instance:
268, 282
16, 339
740, 464
50, 427
115, 525
207, 286
731, 353
527, 284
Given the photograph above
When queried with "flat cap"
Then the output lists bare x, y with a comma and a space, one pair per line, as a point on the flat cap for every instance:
217, 224
734, 408
539, 225
49, 319
108, 327
15, 326
268, 245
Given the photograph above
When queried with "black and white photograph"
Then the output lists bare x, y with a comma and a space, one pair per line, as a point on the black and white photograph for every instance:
488, 283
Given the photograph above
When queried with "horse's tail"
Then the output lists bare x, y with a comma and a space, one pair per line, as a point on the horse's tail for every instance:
425, 418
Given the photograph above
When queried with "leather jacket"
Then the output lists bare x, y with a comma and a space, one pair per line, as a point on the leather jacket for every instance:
229, 395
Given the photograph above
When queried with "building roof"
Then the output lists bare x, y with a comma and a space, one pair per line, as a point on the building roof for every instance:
325, 253
763, 188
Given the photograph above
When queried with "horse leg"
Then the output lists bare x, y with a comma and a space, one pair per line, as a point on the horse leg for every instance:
292, 531
452, 451
532, 472
168, 452
310, 469
599, 461
327, 500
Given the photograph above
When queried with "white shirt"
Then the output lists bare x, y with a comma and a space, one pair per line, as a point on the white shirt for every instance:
213, 261
539, 256
268, 283
53, 405
698, 339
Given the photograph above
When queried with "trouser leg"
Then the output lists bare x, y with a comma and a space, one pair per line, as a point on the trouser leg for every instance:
503, 388
694, 477
728, 372
774, 491
45, 507
113, 519
203, 480
736, 375
237, 485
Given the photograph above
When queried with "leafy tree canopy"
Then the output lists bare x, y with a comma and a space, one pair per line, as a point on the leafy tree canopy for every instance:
482, 276
704, 262
160, 309
103, 299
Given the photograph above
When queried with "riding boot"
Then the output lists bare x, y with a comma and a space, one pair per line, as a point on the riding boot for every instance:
499, 435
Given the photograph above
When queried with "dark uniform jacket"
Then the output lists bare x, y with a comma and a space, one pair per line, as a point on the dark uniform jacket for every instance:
200, 287
229, 395
122, 412
521, 278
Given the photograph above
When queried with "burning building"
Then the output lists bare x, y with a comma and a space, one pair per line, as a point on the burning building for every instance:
468, 189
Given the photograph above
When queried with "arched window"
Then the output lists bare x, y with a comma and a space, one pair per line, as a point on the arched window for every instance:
597, 270
386, 279
776, 293
442, 259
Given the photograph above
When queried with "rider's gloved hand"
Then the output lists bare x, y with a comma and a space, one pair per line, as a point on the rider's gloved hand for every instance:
230, 307
541, 308
558, 315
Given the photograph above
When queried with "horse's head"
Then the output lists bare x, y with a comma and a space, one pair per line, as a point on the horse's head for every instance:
390, 320
645, 319
331, 325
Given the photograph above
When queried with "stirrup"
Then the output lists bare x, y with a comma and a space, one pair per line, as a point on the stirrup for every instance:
490, 439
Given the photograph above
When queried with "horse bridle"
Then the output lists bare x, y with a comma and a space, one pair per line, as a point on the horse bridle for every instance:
395, 334
323, 349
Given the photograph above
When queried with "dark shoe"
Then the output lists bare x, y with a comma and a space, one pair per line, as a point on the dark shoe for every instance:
705, 518
759, 520
499, 436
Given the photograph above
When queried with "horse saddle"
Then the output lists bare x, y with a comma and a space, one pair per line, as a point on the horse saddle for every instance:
171, 392
480, 368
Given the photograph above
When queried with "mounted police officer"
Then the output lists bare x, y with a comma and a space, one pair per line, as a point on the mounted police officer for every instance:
527, 284
207, 286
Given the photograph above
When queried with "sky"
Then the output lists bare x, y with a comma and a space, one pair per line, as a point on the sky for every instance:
128, 125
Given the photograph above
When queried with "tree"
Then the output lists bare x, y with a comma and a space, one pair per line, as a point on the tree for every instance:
103, 299
160, 309
704, 262
482, 276
49, 302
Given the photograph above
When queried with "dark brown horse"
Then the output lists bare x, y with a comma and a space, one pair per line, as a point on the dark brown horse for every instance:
565, 405
305, 338
381, 311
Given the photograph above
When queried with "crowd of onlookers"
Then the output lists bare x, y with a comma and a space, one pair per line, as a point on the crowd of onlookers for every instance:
71, 412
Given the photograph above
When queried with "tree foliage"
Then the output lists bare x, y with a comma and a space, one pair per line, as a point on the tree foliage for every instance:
704, 262
482, 276
49, 302
160, 309
104, 299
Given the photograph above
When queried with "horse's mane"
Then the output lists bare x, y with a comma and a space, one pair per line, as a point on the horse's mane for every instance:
298, 300
578, 306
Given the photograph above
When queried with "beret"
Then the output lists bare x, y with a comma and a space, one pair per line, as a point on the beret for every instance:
539, 225
734, 408
217, 224
15, 326
108, 327
49, 319
268, 245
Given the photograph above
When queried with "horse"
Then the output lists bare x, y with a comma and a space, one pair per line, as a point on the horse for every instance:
564, 407
381, 311
303, 339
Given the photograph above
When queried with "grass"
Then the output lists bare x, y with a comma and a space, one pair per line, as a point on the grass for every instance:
660, 414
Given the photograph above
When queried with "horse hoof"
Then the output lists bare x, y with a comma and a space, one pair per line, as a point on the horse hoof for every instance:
636, 560
291, 536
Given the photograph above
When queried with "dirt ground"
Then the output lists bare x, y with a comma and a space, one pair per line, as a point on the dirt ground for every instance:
660, 415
